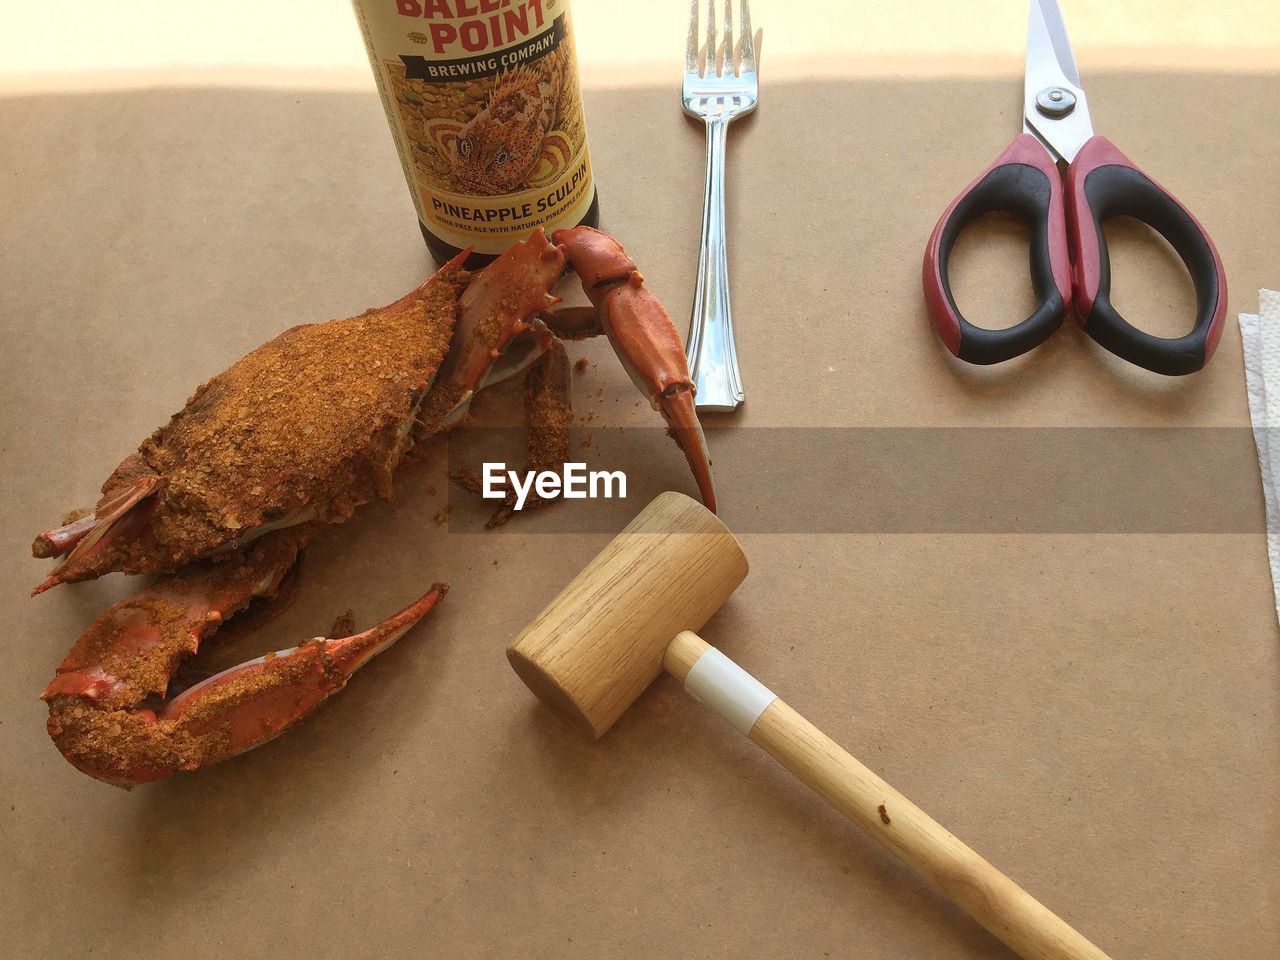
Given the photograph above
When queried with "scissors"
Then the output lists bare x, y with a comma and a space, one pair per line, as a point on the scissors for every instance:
1070, 267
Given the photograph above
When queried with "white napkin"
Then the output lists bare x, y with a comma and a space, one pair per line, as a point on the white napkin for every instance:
1260, 333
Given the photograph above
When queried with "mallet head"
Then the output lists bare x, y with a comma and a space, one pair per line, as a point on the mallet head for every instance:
599, 644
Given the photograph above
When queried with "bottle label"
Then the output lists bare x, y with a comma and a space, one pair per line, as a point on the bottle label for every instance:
483, 100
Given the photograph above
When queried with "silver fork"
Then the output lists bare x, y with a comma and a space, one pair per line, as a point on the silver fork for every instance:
719, 85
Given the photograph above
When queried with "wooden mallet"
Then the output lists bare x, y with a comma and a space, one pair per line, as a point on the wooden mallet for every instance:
631, 614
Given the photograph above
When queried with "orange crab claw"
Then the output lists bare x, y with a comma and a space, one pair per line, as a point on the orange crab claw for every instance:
101, 701
676, 405
249, 704
495, 308
643, 337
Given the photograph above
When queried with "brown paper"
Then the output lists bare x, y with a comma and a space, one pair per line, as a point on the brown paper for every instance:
1096, 712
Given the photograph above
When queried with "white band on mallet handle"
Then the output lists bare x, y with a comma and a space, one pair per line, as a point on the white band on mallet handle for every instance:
717, 682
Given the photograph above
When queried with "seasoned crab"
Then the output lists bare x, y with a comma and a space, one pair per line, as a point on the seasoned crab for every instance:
297, 434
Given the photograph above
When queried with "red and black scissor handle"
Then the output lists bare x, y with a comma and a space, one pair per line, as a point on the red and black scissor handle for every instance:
1101, 183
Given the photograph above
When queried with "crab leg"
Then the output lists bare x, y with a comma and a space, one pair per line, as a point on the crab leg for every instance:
82, 540
496, 307
548, 407
642, 335
101, 701
56, 542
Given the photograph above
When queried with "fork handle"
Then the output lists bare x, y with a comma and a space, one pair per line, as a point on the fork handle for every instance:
713, 359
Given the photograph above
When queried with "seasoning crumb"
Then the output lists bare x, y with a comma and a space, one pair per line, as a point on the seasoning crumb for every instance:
344, 625
581, 365
884, 814
442, 516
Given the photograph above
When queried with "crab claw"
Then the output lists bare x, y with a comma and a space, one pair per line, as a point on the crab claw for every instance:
643, 337
104, 714
677, 409
251, 703
494, 309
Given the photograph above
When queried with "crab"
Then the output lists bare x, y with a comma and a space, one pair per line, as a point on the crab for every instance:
299, 433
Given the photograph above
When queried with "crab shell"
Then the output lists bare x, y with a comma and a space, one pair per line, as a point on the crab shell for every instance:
304, 429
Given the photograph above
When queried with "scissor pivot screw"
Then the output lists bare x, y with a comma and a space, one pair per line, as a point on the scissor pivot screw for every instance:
1055, 101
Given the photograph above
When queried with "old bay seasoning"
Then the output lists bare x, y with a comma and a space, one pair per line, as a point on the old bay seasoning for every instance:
485, 108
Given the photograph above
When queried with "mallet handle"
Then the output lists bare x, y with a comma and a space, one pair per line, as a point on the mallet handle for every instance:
991, 898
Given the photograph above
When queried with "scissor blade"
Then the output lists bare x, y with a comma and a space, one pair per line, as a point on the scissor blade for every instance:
1051, 64
1056, 32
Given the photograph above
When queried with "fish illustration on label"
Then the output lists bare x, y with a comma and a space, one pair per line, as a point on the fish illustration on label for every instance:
485, 107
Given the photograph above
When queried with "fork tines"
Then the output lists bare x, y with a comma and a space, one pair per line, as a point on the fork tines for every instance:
710, 59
